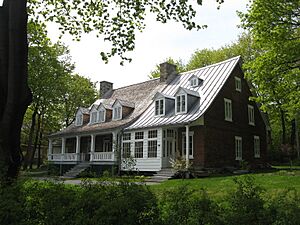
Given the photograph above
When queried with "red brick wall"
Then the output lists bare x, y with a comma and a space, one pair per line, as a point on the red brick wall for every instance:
219, 134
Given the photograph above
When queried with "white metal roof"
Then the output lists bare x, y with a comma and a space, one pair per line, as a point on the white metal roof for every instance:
213, 76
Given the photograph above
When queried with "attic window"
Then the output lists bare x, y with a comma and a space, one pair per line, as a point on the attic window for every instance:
93, 118
79, 120
159, 107
238, 84
194, 82
101, 115
181, 106
117, 113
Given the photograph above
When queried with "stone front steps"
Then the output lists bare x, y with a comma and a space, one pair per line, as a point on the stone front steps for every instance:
161, 176
76, 170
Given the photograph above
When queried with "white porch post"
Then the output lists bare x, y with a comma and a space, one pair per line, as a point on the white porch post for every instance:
187, 131
50, 150
63, 147
77, 148
114, 144
93, 138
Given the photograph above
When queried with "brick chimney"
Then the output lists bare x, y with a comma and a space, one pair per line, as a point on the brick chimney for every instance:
105, 87
167, 70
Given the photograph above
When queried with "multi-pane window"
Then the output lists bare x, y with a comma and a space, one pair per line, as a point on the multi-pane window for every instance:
181, 103
238, 148
194, 82
117, 113
159, 107
251, 115
256, 147
238, 84
139, 135
101, 116
79, 120
93, 117
191, 144
126, 136
152, 134
138, 149
126, 149
228, 109
152, 149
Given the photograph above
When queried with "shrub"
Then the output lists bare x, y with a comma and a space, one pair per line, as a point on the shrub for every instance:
184, 206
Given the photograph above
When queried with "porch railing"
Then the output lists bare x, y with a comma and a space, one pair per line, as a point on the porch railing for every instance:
63, 157
103, 156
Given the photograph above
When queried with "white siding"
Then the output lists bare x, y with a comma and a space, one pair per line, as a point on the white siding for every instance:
145, 163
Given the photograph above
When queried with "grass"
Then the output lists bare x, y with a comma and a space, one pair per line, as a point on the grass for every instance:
220, 186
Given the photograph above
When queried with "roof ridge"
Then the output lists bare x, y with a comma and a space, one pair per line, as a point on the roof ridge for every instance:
208, 66
136, 84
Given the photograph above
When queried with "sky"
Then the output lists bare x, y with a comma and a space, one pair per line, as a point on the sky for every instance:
155, 44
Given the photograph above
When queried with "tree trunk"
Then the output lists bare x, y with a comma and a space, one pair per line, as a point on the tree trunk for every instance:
15, 95
36, 140
30, 139
282, 117
39, 147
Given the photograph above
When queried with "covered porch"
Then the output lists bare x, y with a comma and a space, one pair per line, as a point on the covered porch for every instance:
83, 148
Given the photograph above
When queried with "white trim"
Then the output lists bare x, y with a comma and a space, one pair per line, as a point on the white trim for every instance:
185, 107
228, 109
238, 146
251, 117
157, 101
104, 116
256, 146
238, 84
120, 113
184, 139
93, 117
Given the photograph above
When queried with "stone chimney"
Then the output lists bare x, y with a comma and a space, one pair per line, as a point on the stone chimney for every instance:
105, 87
167, 70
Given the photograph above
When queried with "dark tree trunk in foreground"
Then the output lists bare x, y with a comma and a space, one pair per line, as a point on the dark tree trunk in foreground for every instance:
15, 96
36, 140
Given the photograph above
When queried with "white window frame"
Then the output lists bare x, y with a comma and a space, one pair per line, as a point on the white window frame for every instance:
228, 109
158, 102
93, 117
181, 106
126, 139
238, 146
104, 115
194, 82
251, 116
117, 115
142, 149
191, 138
238, 84
256, 146
79, 120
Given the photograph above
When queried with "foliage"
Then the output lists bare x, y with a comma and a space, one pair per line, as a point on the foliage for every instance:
274, 26
115, 21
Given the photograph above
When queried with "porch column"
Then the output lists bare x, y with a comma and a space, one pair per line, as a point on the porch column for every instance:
50, 150
77, 147
187, 131
63, 147
114, 144
93, 138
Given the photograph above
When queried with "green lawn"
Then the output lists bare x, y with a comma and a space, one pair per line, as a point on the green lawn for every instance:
220, 186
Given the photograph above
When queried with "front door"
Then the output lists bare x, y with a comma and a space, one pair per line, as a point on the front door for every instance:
168, 147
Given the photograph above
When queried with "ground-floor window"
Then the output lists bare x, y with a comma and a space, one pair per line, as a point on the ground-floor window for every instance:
126, 150
107, 145
138, 149
256, 147
152, 149
191, 144
238, 148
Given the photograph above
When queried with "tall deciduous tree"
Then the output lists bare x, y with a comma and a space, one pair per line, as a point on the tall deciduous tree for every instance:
117, 21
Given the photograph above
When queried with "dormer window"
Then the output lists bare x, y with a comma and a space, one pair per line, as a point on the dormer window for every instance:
79, 120
181, 106
101, 117
117, 113
159, 107
194, 82
93, 118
